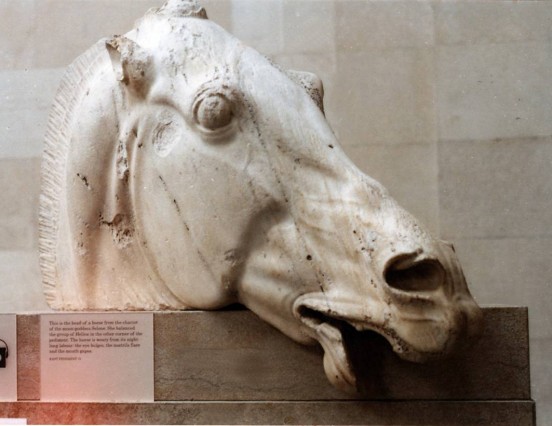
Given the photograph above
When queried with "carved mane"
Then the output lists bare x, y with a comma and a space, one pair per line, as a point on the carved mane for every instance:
65, 110
72, 90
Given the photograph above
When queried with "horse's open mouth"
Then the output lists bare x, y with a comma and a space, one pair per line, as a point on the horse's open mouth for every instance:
345, 346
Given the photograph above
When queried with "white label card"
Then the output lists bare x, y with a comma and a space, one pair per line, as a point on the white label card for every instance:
104, 357
8, 357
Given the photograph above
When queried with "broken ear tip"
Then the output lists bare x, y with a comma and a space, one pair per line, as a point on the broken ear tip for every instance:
115, 42
305, 78
311, 83
111, 43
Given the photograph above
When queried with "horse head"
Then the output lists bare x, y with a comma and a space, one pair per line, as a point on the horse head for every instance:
183, 169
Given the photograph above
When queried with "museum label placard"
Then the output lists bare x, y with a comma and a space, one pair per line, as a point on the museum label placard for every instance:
104, 357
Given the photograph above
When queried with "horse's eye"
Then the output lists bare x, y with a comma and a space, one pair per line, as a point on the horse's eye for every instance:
213, 111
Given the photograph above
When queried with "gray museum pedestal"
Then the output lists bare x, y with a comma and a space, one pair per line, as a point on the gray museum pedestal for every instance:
229, 367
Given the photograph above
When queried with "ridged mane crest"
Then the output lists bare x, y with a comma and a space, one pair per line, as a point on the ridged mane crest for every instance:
183, 8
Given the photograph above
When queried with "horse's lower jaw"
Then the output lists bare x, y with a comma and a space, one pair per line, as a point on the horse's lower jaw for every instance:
337, 365
338, 337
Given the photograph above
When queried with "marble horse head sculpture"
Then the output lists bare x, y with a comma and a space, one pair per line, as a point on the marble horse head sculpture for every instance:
182, 169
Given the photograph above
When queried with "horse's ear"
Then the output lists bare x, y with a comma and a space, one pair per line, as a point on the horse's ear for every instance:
132, 64
311, 83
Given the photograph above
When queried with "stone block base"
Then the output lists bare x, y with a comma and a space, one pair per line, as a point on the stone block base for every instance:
488, 413
229, 367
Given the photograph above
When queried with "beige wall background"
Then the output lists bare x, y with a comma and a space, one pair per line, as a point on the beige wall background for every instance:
448, 104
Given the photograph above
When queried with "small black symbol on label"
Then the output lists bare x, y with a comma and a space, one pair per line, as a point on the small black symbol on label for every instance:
3, 354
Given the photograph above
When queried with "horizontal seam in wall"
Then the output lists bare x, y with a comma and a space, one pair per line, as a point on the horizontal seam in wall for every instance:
517, 139
502, 237
388, 144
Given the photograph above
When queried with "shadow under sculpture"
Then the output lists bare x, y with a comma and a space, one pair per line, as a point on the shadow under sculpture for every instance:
182, 169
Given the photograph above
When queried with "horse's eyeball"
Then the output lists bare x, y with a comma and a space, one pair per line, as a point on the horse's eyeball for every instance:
214, 112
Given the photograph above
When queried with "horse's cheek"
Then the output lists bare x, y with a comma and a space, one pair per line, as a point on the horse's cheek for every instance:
182, 202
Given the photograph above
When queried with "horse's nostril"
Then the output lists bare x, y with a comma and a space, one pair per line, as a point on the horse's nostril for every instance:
424, 275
